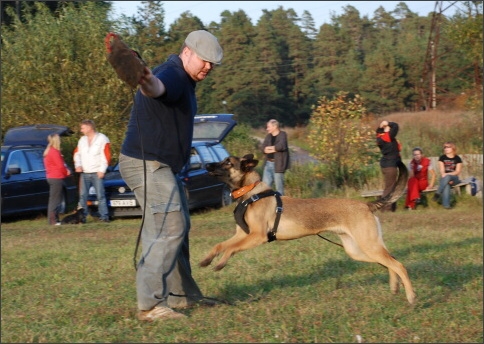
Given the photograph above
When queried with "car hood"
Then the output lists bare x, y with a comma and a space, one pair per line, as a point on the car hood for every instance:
34, 134
212, 127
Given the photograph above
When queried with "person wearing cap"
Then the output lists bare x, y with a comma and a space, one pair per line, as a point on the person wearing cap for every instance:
156, 146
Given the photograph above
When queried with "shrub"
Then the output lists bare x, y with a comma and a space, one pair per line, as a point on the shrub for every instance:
340, 138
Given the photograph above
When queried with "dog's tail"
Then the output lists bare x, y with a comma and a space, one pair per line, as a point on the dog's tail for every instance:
397, 191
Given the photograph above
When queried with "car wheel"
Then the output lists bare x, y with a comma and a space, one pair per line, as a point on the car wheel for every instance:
226, 196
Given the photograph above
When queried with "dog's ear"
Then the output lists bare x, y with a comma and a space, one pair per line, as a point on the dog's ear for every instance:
247, 163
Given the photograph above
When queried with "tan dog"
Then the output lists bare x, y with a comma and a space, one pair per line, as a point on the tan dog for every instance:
353, 221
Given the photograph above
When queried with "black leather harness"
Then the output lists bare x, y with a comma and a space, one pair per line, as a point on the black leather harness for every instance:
239, 212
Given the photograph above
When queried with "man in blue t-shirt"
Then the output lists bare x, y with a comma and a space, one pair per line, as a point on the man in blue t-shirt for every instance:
158, 139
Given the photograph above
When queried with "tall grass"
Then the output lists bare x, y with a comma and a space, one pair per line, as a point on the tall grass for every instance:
76, 283
430, 129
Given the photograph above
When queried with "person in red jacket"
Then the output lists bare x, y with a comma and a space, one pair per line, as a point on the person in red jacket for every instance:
56, 171
420, 167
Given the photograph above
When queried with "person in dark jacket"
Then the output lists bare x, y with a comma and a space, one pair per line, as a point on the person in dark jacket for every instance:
276, 156
386, 140
156, 147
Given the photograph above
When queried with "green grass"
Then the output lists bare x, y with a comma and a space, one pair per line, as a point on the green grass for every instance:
75, 283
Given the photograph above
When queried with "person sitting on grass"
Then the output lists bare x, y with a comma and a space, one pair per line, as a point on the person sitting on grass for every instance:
450, 166
420, 167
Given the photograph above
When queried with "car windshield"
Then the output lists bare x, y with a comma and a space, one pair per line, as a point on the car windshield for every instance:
208, 131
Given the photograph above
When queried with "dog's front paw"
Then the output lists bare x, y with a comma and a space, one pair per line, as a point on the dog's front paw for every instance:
219, 266
206, 262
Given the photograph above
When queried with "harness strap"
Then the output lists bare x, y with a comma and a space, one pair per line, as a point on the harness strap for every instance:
271, 236
241, 208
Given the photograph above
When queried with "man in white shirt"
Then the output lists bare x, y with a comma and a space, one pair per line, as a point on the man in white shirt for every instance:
91, 159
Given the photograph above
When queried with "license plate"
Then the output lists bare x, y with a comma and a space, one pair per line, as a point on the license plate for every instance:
123, 203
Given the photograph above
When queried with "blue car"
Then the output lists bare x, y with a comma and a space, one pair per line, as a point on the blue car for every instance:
201, 189
24, 184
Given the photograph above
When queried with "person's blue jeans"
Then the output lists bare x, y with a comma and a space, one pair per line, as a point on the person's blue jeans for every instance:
163, 274
88, 180
444, 189
271, 176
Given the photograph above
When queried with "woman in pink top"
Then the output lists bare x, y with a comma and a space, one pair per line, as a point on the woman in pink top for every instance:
56, 171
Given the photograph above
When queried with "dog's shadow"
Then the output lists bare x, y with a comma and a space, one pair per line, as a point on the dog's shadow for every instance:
450, 277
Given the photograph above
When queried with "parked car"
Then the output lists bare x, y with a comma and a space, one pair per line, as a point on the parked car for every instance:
24, 184
201, 189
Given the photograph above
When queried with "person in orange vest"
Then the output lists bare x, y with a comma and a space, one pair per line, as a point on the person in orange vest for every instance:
92, 157
420, 167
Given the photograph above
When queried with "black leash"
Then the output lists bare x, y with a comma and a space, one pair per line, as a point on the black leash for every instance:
322, 237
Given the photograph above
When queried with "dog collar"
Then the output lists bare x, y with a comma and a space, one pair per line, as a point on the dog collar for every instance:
243, 190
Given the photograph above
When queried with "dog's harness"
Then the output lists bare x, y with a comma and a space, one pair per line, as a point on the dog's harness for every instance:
239, 211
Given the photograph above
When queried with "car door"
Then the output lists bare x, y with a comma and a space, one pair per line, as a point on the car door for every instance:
203, 189
24, 186
37, 178
195, 179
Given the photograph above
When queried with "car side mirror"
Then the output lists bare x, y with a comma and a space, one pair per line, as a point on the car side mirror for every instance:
14, 170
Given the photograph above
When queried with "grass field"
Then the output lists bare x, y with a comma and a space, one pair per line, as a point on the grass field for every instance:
75, 283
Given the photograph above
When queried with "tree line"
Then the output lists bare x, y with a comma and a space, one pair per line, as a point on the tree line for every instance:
54, 67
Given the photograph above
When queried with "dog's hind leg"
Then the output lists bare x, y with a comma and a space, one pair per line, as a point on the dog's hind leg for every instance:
377, 253
394, 279
395, 267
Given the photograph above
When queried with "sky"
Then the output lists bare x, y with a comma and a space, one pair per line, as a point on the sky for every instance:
321, 11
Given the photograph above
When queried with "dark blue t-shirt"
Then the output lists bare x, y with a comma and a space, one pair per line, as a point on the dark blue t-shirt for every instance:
165, 124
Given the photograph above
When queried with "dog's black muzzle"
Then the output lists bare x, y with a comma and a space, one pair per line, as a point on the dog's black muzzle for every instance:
211, 167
